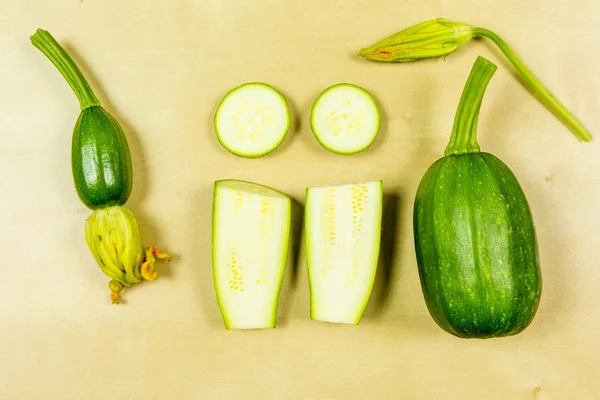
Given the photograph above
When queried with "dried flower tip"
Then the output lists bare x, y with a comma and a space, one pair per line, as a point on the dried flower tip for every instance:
147, 268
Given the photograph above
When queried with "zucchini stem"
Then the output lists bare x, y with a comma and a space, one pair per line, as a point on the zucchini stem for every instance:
464, 132
44, 41
545, 96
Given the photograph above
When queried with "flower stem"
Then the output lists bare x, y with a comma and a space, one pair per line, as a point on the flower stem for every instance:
546, 97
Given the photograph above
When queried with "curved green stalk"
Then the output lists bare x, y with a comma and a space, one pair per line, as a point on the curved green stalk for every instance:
546, 97
440, 37
464, 133
44, 41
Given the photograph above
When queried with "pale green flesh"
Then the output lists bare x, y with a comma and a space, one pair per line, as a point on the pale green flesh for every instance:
251, 226
345, 119
343, 229
252, 120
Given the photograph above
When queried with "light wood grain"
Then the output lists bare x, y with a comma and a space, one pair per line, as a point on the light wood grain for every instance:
161, 68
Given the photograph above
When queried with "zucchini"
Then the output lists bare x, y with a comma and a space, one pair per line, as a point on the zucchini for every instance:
250, 237
100, 156
343, 230
103, 178
100, 160
252, 120
345, 119
474, 234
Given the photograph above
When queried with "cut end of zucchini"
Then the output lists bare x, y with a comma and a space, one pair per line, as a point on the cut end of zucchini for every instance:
251, 225
252, 120
343, 229
345, 119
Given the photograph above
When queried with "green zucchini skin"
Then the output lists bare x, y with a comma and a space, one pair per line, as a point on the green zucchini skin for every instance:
476, 247
100, 160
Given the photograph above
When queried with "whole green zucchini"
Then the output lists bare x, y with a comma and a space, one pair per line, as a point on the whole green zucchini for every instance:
102, 174
100, 157
474, 234
100, 160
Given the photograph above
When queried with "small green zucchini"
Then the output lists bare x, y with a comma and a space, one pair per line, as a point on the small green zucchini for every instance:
103, 178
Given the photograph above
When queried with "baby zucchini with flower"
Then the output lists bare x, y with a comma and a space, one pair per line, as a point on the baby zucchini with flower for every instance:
102, 174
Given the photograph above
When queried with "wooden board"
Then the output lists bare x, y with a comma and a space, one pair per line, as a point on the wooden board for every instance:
161, 69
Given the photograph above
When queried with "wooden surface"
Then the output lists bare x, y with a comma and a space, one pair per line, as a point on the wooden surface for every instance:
161, 69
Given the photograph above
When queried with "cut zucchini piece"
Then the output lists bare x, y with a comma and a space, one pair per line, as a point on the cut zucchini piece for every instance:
345, 119
343, 232
251, 228
252, 120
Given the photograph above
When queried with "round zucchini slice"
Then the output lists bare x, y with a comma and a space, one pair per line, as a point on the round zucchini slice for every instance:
345, 119
252, 120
